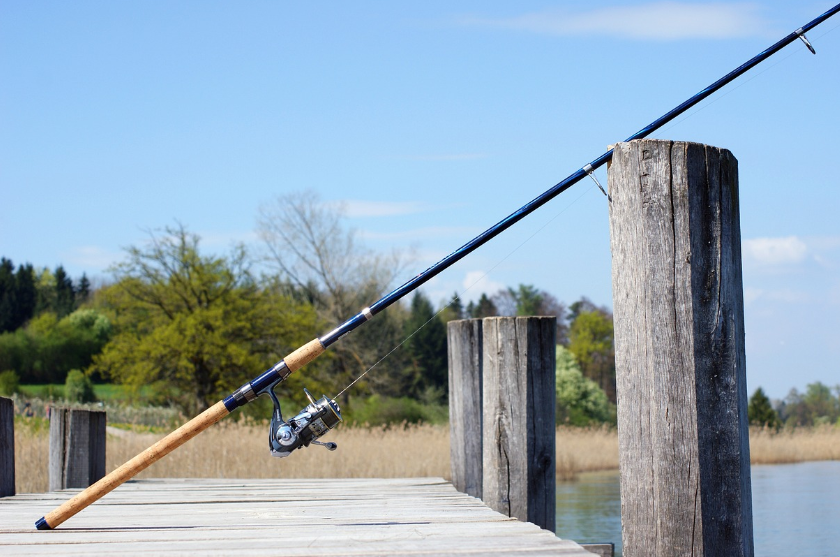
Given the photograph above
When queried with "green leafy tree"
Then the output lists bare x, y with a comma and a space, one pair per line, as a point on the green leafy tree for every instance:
580, 401
760, 412
9, 382
427, 375
78, 387
195, 326
591, 340
48, 347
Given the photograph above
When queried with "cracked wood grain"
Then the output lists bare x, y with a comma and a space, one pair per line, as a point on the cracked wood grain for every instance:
679, 335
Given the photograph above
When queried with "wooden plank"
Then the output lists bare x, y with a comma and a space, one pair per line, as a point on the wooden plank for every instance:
518, 422
465, 357
679, 335
7, 447
413, 516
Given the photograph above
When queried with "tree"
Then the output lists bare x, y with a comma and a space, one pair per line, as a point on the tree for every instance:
580, 401
760, 412
453, 310
195, 327
83, 290
320, 260
484, 308
426, 345
591, 340
78, 387
7, 296
65, 295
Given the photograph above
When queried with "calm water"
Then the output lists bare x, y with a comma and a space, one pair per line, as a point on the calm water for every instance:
794, 506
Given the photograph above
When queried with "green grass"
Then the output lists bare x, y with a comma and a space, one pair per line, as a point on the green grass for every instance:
106, 392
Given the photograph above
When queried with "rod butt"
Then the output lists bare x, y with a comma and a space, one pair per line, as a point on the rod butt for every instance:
42, 524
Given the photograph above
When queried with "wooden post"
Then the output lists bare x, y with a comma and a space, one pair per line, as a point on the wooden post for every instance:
465, 354
77, 448
7, 447
518, 417
680, 364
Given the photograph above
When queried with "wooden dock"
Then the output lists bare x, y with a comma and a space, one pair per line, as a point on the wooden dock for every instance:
414, 516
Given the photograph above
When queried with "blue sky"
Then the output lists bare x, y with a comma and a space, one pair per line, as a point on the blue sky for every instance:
431, 121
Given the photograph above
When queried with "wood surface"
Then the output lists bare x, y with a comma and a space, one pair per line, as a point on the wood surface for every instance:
679, 339
7, 447
290, 517
518, 417
77, 447
137, 464
465, 355
304, 355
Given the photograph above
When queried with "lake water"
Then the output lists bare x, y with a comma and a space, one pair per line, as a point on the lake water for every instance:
794, 506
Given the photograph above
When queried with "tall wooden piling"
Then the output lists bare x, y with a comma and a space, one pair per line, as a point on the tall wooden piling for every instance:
465, 371
518, 417
77, 448
7, 447
680, 363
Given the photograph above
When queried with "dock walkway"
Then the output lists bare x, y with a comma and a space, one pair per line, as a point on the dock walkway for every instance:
414, 516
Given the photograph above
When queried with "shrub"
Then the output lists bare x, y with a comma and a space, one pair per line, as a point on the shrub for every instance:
9, 382
379, 410
78, 387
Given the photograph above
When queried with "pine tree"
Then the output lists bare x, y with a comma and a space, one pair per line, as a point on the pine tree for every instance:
83, 290
7, 295
427, 349
26, 294
760, 412
484, 308
65, 296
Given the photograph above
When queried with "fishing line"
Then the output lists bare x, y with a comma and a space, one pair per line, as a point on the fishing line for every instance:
460, 295
736, 87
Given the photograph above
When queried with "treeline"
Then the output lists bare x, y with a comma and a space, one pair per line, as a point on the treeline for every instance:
818, 405
28, 292
188, 327
43, 332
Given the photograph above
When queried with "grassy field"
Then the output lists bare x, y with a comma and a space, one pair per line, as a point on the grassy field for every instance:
238, 450
105, 392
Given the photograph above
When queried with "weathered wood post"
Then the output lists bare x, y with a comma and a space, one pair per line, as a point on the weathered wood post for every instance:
77, 447
7, 447
465, 363
518, 417
680, 364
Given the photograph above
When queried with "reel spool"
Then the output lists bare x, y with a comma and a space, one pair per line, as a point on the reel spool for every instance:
310, 424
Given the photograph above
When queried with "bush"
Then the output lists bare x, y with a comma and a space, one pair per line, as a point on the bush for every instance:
9, 382
379, 410
580, 401
78, 387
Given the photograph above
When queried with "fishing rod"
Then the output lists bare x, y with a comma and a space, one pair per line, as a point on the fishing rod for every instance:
322, 415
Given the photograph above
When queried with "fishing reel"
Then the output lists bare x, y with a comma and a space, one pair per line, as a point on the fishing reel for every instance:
309, 425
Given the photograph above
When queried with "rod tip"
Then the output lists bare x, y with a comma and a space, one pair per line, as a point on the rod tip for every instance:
42, 524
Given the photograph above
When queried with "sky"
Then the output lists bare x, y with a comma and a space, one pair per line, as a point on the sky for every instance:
429, 121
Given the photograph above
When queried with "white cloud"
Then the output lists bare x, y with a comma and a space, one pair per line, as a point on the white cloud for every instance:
651, 21
92, 257
476, 282
358, 209
775, 251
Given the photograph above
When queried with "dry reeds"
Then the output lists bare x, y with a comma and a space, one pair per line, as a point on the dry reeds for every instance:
238, 450
585, 450
797, 445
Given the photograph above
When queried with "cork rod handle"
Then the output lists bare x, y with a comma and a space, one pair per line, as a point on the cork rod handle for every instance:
134, 466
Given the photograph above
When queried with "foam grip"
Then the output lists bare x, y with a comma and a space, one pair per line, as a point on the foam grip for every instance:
136, 465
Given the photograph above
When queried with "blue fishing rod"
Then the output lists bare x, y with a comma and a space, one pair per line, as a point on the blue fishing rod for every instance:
322, 415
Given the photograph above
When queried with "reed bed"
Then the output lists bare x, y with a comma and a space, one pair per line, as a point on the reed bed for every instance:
239, 450
796, 445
